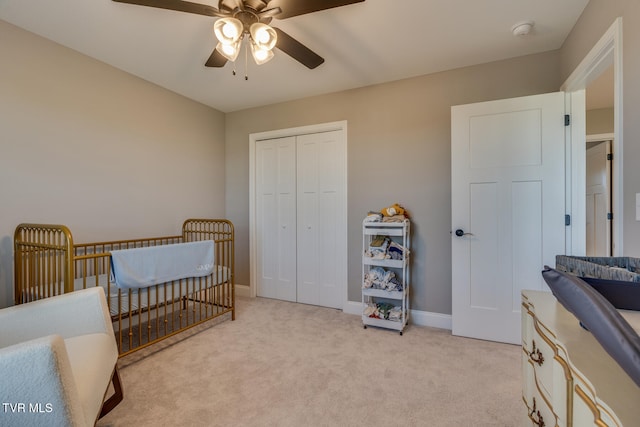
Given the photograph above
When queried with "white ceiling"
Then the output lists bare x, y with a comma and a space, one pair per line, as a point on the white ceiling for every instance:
363, 44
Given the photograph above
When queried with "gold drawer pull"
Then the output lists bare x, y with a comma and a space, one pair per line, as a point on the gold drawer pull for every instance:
540, 421
536, 355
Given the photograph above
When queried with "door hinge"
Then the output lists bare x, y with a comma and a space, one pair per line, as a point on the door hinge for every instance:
610, 156
567, 120
567, 220
609, 215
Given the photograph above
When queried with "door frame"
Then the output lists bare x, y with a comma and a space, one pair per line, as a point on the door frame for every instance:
280, 133
607, 51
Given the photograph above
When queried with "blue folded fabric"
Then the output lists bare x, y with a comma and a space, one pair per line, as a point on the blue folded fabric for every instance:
148, 266
600, 317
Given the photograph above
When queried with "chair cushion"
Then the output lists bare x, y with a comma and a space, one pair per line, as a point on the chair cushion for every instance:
93, 358
37, 372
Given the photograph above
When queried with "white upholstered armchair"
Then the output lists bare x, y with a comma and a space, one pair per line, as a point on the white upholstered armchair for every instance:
57, 358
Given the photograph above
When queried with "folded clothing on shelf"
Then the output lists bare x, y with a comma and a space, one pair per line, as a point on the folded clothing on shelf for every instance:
382, 247
373, 217
383, 310
379, 278
397, 251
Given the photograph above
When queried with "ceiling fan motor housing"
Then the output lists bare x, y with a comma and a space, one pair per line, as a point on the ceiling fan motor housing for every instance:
247, 17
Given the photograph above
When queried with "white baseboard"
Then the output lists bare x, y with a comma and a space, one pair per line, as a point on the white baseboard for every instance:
433, 320
417, 317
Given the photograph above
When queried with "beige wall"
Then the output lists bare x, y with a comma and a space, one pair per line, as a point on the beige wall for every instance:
89, 146
146, 145
398, 151
594, 22
600, 121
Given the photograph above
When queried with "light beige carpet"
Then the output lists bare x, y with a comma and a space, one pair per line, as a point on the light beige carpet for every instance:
286, 364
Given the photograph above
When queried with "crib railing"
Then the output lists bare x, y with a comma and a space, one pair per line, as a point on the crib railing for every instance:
43, 261
92, 259
47, 263
222, 233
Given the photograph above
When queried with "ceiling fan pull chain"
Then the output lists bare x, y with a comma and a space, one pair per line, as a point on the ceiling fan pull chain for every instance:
246, 61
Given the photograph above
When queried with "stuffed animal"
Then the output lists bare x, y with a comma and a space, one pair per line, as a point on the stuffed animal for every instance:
393, 210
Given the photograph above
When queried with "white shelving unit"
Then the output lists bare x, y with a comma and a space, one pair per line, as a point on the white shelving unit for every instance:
397, 232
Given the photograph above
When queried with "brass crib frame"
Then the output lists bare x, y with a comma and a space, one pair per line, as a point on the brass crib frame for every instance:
48, 263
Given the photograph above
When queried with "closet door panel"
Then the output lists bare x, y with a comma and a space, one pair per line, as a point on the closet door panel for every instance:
286, 207
307, 222
276, 218
266, 203
331, 184
330, 254
321, 258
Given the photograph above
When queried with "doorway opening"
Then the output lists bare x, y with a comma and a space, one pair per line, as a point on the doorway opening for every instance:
605, 57
599, 212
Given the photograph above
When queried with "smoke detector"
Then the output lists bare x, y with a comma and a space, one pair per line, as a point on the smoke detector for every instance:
522, 28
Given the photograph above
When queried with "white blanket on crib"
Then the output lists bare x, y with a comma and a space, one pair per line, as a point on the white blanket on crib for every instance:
148, 266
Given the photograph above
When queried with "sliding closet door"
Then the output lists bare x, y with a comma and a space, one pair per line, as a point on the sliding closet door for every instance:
276, 218
321, 231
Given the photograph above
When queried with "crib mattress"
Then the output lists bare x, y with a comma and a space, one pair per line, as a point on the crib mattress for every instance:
118, 298
149, 297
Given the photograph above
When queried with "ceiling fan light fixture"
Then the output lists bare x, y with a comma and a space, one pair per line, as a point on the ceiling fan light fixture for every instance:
260, 55
263, 36
229, 51
228, 31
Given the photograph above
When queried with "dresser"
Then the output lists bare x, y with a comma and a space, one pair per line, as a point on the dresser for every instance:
568, 378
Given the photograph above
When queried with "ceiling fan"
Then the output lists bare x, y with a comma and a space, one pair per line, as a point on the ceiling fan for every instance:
245, 14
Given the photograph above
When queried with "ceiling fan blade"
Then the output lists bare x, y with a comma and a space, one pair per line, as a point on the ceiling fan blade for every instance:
269, 13
297, 50
240, 4
179, 5
215, 60
300, 7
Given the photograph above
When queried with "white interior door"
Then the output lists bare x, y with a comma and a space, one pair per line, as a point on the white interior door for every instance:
321, 230
508, 195
598, 200
276, 218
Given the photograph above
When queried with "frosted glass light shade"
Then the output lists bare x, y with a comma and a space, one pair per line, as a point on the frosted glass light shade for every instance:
261, 55
229, 51
263, 36
228, 30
